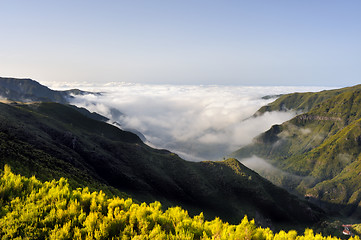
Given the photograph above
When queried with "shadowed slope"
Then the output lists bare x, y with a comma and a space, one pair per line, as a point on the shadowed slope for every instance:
50, 140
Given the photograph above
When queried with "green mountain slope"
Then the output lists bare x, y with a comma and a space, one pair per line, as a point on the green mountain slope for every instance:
322, 147
50, 140
303, 101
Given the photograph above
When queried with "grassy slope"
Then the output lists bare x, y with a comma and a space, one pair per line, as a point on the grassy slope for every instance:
322, 144
50, 140
303, 101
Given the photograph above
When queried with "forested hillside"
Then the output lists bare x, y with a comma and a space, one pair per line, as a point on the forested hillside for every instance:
53, 210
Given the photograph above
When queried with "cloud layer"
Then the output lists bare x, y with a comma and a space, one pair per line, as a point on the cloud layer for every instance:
197, 122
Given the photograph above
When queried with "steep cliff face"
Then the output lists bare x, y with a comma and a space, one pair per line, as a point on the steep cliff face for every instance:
320, 147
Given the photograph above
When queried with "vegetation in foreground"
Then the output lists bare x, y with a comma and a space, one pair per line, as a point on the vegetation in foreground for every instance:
52, 210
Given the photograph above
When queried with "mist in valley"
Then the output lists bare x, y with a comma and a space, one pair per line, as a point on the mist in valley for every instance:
276, 175
196, 122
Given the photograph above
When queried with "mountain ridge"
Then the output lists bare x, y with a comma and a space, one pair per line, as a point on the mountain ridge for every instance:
28, 90
302, 102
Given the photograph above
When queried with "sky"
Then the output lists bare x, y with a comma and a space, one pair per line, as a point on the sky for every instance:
245, 43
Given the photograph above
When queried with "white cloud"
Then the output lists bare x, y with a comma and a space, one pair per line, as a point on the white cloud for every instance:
274, 174
199, 122
305, 131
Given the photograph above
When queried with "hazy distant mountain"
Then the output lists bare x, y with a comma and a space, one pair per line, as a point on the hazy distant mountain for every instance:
319, 150
27, 90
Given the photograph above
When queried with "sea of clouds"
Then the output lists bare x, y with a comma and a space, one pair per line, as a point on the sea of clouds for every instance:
196, 122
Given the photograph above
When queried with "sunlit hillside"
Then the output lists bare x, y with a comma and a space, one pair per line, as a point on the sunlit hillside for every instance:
52, 210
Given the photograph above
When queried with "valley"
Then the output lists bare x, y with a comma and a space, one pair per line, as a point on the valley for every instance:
317, 153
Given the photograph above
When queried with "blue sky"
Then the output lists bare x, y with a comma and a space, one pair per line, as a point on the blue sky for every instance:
270, 42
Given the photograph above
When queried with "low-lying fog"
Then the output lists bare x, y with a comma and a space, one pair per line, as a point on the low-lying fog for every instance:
197, 122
